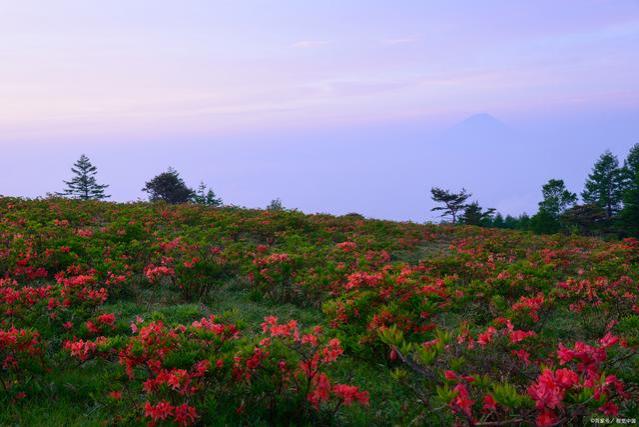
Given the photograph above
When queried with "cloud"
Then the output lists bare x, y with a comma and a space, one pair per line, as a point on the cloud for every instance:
399, 40
308, 44
355, 88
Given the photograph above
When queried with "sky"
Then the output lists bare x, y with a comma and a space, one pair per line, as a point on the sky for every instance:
333, 106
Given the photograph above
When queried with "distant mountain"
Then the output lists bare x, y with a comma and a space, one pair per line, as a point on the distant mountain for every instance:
481, 127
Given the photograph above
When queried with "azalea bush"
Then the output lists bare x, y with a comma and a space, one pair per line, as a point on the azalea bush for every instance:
149, 314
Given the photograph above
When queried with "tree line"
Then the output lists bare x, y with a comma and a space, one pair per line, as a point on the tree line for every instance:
167, 186
609, 203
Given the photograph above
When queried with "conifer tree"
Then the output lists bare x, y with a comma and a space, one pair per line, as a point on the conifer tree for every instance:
83, 185
476, 215
275, 205
523, 222
206, 198
630, 211
498, 221
453, 202
585, 219
557, 198
169, 187
605, 185
511, 222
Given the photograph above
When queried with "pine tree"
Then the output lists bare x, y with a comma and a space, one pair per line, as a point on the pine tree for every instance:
275, 205
476, 215
498, 221
83, 185
511, 222
630, 212
169, 187
543, 222
585, 219
523, 222
605, 185
555, 202
556, 197
453, 202
631, 164
206, 198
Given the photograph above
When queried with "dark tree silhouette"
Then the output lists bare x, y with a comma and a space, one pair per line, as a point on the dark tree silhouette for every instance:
605, 184
585, 219
169, 187
476, 215
206, 197
275, 205
83, 185
630, 212
453, 202
557, 198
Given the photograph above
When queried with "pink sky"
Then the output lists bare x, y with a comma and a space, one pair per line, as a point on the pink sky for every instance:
102, 76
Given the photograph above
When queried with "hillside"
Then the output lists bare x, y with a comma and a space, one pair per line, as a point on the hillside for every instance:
128, 314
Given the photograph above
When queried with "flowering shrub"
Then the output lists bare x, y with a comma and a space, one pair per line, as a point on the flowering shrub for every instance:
106, 315
19, 352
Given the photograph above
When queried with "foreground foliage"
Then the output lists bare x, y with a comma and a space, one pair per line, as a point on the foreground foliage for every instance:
186, 315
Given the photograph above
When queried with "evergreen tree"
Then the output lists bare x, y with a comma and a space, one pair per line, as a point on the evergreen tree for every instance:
585, 219
523, 222
453, 202
498, 221
605, 184
556, 197
631, 163
543, 222
476, 215
206, 198
275, 205
510, 222
630, 212
83, 185
169, 187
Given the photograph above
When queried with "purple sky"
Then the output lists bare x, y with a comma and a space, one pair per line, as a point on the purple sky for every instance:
332, 106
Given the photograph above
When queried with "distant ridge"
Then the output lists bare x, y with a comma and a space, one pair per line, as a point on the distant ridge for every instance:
480, 123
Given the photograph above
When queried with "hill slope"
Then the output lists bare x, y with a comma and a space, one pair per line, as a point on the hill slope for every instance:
138, 313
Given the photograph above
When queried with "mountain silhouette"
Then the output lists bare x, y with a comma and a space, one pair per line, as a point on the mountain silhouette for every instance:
480, 128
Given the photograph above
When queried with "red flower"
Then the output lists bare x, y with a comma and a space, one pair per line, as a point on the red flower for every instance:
107, 319
489, 404
359, 279
185, 415
566, 378
546, 392
80, 349
450, 375
517, 336
332, 351
347, 246
289, 329
162, 411
178, 379
610, 409
486, 337
350, 394
608, 340
462, 401
523, 355
154, 273
320, 391
546, 419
